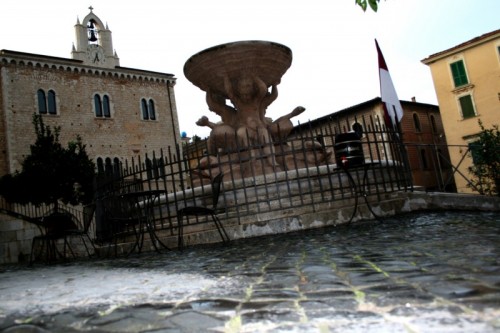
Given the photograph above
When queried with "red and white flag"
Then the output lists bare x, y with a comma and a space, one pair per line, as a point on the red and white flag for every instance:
393, 112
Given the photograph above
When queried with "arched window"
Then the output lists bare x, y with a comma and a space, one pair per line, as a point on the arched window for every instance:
46, 103
42, 102
161, 166
52, 102
100, 165
416, 123
433, 124
102, 106
108, 166
117, 166
155, 168
144, 107
152, 114
149, 168
105, 106
97, 105
148, 109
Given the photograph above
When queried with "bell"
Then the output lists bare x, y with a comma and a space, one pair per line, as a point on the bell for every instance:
91, 29
92, 37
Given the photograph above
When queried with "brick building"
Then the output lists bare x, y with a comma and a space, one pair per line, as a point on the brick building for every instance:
120, 113
422, 135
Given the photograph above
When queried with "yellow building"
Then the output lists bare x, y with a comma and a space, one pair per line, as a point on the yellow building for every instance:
467, 83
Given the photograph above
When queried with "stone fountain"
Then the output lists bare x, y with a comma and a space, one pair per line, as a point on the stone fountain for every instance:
245, 141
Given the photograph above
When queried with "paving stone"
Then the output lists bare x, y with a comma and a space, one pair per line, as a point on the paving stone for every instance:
403, 274
210, 305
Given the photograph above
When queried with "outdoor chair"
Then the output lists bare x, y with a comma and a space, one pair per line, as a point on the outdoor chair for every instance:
54, 227
83, 232
204, 211
124, 222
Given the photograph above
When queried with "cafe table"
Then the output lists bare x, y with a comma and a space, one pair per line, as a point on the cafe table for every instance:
144, 203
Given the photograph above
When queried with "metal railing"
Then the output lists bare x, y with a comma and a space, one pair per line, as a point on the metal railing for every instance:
306, 176
34, 213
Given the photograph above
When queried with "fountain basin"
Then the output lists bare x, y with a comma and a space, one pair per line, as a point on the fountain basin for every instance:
267, 60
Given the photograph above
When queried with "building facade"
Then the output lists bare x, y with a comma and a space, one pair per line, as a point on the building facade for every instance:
422, 136
467, 83
121, 113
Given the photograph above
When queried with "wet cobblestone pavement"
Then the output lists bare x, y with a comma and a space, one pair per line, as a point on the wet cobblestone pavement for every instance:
427, 272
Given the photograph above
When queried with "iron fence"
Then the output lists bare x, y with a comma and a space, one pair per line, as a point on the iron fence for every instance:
261, 178
304, 172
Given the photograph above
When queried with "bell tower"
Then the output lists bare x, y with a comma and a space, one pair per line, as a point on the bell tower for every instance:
94, 45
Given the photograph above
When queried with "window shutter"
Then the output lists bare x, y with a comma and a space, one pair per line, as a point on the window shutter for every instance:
458, 72
467, 106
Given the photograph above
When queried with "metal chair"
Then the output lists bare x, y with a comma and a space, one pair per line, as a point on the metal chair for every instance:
54, 227
123, 221
88, 216
204, 211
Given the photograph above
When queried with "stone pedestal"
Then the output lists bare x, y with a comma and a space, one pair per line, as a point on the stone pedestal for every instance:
245, 142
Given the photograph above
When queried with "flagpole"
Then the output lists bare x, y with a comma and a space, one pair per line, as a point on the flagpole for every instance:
391, 102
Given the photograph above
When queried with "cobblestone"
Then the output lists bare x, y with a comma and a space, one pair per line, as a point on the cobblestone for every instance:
426, 272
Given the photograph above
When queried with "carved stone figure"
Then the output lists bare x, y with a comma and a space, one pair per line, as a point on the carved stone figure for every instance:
281, 127
223, 133
247, 73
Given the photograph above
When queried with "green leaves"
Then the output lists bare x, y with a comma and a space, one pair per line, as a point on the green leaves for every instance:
485, 153
51, 172
364, 4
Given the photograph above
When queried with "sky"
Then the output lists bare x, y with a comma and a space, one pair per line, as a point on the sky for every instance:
333, 42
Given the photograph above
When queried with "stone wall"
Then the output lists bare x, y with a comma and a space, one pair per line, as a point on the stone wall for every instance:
15, 239
16, 235
125, 135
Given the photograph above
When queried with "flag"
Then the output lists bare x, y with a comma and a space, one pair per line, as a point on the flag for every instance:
393, 112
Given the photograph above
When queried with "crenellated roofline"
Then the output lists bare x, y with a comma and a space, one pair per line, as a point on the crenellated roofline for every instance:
15, 58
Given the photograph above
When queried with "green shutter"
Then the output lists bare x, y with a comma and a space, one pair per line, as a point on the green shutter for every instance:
458, 72
475, 151
467, 106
